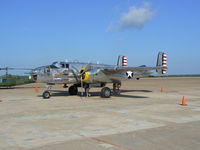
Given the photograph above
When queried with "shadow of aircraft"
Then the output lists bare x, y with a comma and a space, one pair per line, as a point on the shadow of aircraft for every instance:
6, 88
143, 91
94, 94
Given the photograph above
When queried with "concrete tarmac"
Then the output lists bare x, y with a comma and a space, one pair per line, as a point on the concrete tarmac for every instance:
140, 118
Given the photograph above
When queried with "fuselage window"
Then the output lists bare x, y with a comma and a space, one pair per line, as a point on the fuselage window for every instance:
48, 70
4, 80
65, 65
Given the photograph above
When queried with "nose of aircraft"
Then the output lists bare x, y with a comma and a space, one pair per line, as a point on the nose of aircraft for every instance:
33, 75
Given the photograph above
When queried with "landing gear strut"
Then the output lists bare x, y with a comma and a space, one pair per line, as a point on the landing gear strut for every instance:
116, 88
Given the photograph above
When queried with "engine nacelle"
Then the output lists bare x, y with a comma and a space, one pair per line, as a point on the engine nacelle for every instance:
94, 76
89, 76
85, 75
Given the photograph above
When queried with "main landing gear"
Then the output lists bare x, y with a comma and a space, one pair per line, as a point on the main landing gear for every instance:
73, 90
106, 92
116, 88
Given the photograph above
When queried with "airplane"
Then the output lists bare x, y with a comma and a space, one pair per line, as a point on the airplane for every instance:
88, 75
8, 81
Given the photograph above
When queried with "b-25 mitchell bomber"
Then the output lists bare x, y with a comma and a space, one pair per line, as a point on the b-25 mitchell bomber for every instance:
87, 75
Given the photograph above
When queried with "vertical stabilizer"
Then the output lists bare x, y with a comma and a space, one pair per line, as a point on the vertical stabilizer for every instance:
162, 62
122, 61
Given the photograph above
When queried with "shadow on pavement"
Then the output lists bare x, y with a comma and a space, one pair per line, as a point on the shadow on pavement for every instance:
94, 94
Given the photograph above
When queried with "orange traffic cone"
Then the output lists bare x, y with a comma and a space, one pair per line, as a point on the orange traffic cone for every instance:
162, 90
36, 90
184, 103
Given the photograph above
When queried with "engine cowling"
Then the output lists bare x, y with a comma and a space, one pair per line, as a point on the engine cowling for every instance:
84, 76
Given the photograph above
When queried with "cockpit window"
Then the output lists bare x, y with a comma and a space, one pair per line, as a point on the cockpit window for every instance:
65, 65
60, 65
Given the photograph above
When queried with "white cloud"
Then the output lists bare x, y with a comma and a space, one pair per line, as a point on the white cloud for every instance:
136, 17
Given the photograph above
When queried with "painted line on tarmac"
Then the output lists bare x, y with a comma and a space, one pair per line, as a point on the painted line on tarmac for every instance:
107, 142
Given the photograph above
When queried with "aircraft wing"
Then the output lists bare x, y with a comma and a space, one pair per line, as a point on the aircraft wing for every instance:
123, 69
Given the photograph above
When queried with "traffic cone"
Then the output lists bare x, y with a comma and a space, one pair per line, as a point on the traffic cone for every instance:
162, 90
36, 90
184, 103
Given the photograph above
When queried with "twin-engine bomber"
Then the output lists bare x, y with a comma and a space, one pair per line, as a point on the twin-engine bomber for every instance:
87, 75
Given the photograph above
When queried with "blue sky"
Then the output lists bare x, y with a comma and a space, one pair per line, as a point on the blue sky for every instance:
37, 32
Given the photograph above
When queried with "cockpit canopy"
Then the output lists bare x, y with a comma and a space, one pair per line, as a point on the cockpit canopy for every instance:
61, 64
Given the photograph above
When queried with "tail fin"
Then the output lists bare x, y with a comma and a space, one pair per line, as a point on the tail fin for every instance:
162, 62
122, 61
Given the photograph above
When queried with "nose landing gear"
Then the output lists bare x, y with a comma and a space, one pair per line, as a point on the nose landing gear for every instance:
47, 94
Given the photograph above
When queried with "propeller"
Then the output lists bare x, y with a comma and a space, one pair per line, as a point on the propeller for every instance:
79, 75
87, 68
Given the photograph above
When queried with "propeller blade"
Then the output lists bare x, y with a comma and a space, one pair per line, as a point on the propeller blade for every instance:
87, 68
76, 75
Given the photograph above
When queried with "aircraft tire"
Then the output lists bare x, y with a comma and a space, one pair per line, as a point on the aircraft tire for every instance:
73, 90
105, 92
46, 95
